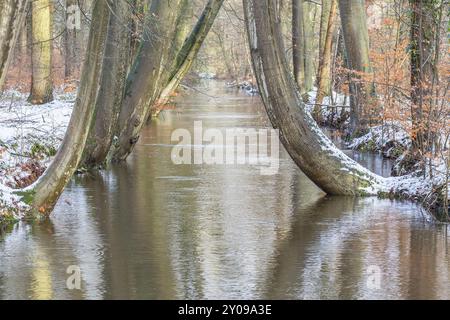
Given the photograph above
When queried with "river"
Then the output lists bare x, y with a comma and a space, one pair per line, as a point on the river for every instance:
150, 229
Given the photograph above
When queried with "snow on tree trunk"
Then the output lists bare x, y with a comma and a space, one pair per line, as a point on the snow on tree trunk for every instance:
327, 166
356, 39
43, 194
324, 74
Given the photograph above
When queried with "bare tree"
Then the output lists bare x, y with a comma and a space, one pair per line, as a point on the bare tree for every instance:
72, 40
43, 194
356, 38
325, 56
144, 78
425, 24
41, 52
302, 40
12, 18
312, 151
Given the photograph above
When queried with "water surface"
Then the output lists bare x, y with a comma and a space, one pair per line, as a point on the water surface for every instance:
152, 230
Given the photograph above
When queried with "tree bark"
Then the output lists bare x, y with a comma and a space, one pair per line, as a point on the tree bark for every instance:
144, 79
422, 53
302, 33
111, 94
43, 194
324, 16
183, 25
72, 41
12, 18
327, 166
356, 38
324, 76
186, 55
41, 52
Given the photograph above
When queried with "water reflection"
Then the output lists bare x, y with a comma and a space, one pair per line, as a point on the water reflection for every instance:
152, 230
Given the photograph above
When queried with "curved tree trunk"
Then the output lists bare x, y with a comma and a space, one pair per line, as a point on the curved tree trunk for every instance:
186, 56
41, 52
356, 38
43, 194
12, 18
324, 76
145, 75
114, 75
327, 166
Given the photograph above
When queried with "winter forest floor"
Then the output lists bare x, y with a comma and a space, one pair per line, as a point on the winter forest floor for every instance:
30, 136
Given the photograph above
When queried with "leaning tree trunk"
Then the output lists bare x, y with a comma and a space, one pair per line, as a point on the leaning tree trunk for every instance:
302, 33
41, 52
145, 76
324, 16
324, 76
327, 166
186, 56
356, 38
114, 75
12, 18
43, 194
182, 26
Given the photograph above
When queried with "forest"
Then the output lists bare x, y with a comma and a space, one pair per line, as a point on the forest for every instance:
86, 85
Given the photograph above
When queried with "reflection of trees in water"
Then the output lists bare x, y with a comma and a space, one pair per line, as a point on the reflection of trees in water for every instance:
332, 249
34, 264
149, 229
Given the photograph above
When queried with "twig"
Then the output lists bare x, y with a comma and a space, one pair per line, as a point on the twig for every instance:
199, 91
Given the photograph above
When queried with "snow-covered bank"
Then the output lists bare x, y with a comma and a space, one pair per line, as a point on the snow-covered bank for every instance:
29, 137
390, 139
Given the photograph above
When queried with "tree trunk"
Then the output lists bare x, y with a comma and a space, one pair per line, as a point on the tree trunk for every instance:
12, 18
422, 52
111, 94
183, 25
324, 16
43, 194
302, 40
356, 38
186, 55
324, 76
72, 40
327, 166
41, 52
144, 79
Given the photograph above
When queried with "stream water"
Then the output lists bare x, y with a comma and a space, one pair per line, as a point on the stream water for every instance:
150, 229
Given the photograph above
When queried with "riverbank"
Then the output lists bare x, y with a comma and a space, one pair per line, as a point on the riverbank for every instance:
225, 232
30, 136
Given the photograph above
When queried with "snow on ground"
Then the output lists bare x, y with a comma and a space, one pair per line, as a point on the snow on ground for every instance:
31, 134
29, 137
335, 109
390, 139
